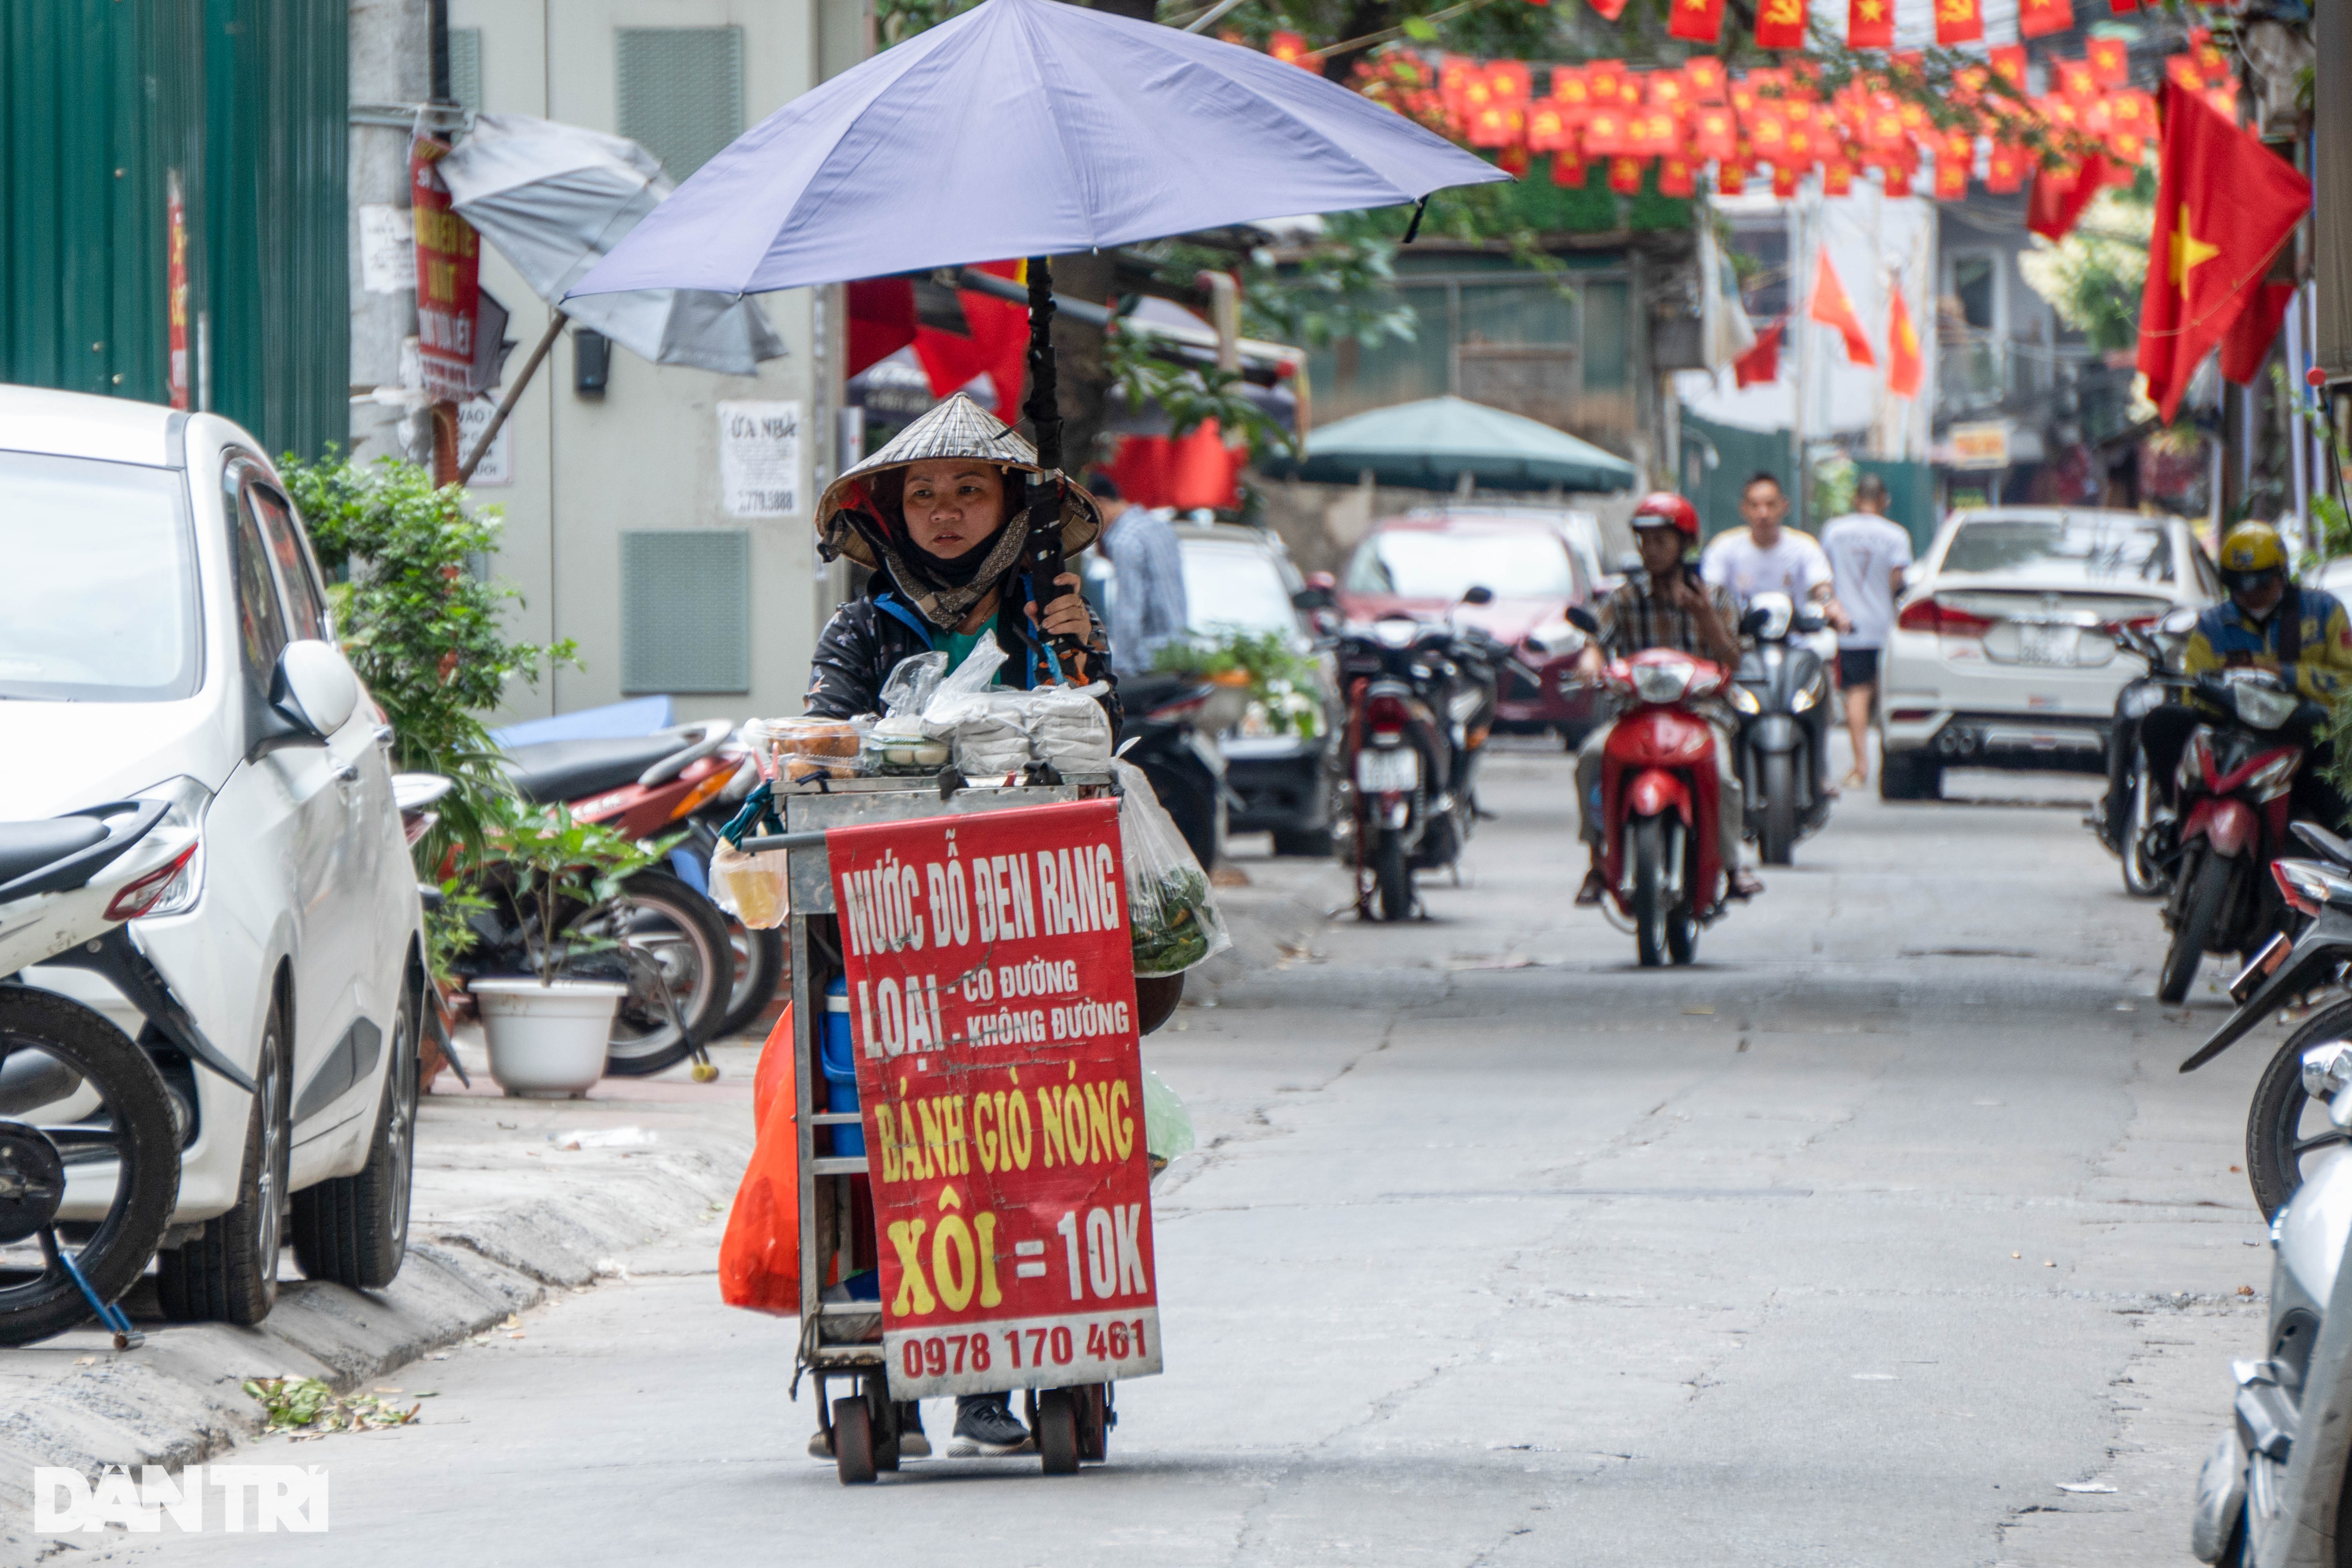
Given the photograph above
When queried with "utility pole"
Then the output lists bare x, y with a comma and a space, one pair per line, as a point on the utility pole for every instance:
391, 65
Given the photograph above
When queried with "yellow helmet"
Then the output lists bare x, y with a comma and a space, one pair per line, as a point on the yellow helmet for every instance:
2252, 549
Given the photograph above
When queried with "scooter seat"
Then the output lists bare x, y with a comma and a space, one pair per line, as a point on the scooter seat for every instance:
26, 846
567, 770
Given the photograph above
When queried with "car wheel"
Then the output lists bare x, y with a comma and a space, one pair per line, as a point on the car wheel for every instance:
353, 1230
229, 1274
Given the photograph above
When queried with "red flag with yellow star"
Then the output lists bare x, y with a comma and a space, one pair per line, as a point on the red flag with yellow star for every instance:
1701, 21
2224, 203
1904, 367
1870, 24
1831, 308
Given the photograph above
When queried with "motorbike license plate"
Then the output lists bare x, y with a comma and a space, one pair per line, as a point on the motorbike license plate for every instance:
1387, 770
2045, 645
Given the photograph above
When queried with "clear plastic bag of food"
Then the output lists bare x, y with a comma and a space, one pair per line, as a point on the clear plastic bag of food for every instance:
1068, 728
1167, 1125
796, 749
963, 692
897, 744
751, 888
911, 683
1172, 919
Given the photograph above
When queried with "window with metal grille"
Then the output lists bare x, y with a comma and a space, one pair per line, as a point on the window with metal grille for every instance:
685, 610
466, 67
681, 92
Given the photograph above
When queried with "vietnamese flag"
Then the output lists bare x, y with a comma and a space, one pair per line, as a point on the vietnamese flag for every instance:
1548, 127
2110, 62
1870, 24
2005, 169
1781, 24
2008, 63
1706, 76
1731, 177
2058, 200
2249, 341
1625, 176
1713, 134
1701, 21
1837, 178
1605, 80
2224, 203
1568, 170
1904, 367
1762, 362
2039, 18
1830, 308
1608, 10
1677, 177
1508, 81
1605, 132
1959, 21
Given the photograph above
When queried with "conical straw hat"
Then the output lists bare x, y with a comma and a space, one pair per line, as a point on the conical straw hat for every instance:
958, 427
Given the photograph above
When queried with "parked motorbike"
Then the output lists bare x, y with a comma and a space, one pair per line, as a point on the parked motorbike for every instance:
1420, 703
1169, 733
2230, 794
90, 1149
1665, 871
1781, 694
665, 941
2141, 819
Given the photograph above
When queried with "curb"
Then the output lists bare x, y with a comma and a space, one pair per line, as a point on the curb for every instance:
178, 1399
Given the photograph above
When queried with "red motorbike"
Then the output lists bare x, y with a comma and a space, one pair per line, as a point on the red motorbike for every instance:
1666, 873
2233, 788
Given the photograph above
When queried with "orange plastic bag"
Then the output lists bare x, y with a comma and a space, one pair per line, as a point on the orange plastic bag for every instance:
775, 1067
760, 1255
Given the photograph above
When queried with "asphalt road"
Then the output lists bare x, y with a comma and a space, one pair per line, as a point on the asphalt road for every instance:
1855, 1244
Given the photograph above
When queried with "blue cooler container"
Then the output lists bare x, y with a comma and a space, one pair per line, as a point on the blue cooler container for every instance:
839, 1060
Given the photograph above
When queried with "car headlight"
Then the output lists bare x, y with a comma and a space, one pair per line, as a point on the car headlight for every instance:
2261, 707
190, 800
1743, 700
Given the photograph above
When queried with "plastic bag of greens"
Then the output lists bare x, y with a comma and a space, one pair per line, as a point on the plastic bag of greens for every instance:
1167, 1125
1172, 921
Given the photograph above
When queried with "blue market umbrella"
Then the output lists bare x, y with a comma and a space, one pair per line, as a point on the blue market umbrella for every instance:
1026, 128
1429, 445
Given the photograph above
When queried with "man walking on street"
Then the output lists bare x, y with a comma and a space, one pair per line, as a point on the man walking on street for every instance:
1767, 557
1148, 609
1867, 551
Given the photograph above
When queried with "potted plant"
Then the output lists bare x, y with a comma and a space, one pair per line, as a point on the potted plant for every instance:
548, 1034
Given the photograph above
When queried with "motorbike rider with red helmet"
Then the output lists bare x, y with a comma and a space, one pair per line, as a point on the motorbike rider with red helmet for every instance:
1665, 604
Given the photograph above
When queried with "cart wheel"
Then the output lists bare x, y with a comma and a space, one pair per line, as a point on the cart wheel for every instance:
852, 1441
1094, 1423
882, 1416
1057, 1431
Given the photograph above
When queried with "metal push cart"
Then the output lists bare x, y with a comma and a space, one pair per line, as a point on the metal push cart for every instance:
844, 1339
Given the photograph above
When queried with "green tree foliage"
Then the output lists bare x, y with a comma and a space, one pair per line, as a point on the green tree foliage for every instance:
422, 628
2093, 277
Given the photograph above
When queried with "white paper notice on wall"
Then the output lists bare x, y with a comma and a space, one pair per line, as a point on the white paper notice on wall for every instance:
760, 457
387, 249
473, 418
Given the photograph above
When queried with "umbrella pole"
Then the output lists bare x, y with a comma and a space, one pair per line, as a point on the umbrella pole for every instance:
1043, 407
506, 404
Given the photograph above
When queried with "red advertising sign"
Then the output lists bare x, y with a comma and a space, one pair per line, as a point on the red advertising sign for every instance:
991, 1004
448, 278
175, 286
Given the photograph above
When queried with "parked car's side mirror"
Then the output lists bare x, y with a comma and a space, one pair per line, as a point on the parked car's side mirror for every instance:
314, 687
1312, 598
1478, 594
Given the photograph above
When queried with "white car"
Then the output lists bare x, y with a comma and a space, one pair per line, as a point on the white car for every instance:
2004, 652
164, 634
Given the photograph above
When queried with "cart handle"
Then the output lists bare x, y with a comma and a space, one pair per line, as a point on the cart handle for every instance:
765, 842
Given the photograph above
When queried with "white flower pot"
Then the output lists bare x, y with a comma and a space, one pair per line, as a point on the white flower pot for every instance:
547, 1042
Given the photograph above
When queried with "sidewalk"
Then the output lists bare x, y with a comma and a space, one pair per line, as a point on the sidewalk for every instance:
503, 1216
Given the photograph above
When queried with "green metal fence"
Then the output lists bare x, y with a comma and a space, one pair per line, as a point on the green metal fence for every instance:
101, 103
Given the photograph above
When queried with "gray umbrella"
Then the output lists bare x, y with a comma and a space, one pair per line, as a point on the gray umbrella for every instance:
554, 198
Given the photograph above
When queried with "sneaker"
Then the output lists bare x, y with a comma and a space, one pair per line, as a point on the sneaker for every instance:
986, 1428
912, 1444
1595, 885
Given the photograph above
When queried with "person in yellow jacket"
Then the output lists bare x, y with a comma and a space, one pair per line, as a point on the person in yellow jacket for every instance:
2268, 622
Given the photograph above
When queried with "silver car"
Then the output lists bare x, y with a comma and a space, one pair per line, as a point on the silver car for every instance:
2002, 653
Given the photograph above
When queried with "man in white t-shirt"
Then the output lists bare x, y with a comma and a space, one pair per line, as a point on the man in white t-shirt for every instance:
1867, 551
1766, 557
